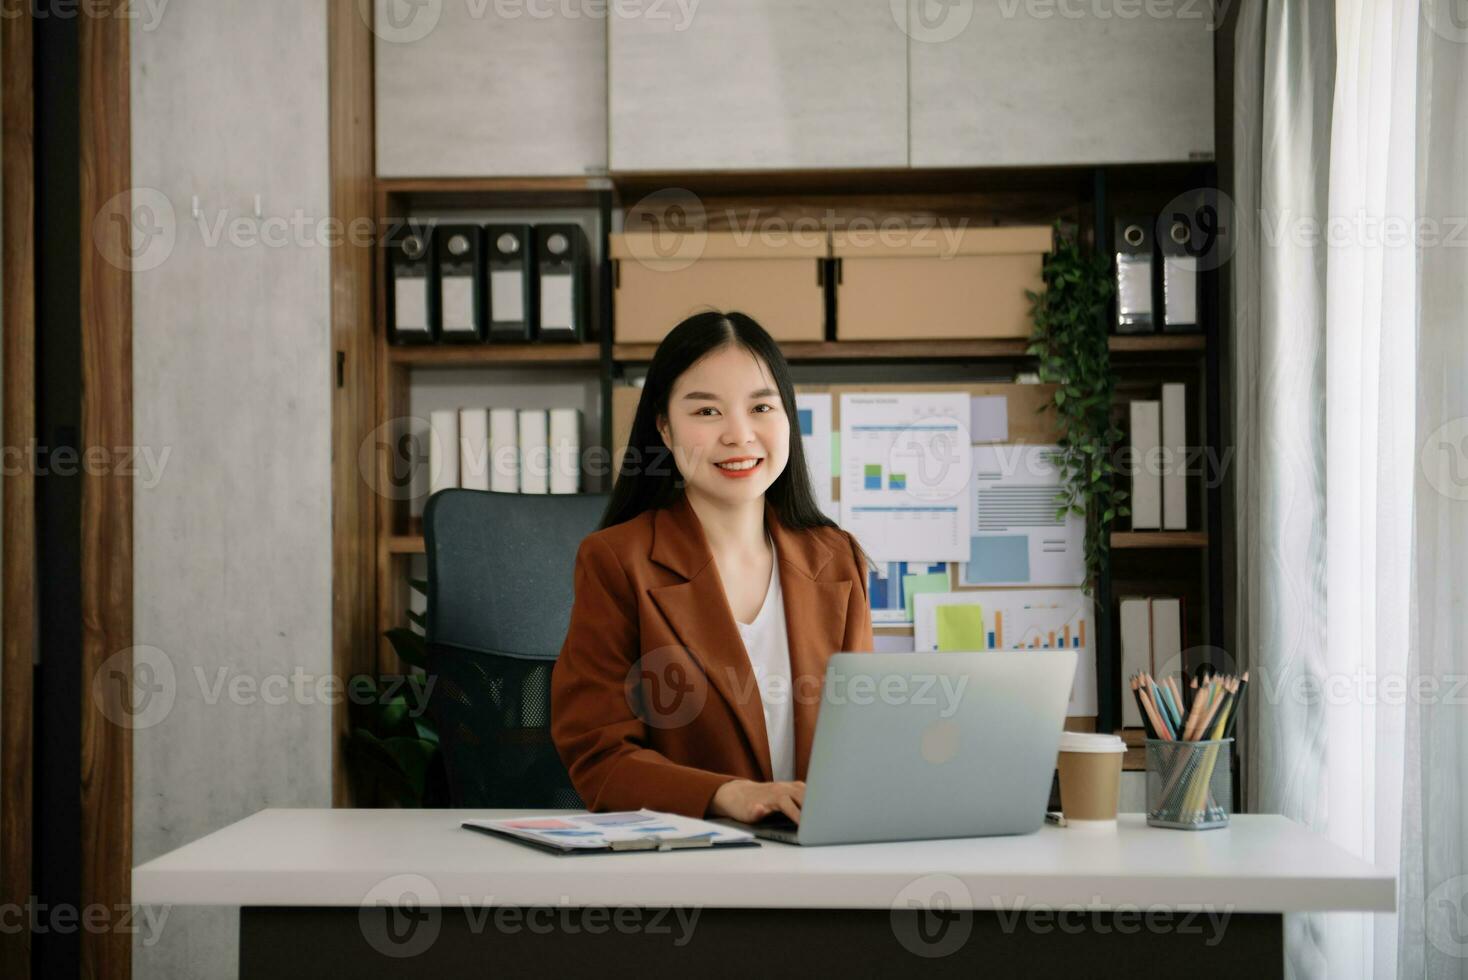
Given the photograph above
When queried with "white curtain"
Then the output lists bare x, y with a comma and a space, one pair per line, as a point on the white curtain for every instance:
1433, 893
1351, 369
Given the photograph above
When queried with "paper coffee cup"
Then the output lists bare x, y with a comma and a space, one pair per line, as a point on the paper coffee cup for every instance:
1090, 777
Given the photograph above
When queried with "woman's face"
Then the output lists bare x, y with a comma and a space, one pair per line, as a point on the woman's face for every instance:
727, 426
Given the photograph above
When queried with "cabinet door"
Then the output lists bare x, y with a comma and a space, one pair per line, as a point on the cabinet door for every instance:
1034, 82
487, 89
758, 84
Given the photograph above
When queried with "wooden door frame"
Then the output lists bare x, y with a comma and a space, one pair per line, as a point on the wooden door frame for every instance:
18, 537
106, 515
354, 363
107, 497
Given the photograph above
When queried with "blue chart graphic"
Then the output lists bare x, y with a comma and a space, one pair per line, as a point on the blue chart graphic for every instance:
887, 587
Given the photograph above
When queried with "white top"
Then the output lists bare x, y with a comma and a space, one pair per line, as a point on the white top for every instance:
337, 857
768, 646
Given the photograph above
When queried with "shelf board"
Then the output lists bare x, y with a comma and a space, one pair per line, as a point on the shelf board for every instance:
405, 544
875, 350
491, 185
1159, 539
462, 355
1007, 348
1156, 342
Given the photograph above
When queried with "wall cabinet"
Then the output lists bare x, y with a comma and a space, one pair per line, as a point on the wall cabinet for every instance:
757, 85
1027, 83
490, 89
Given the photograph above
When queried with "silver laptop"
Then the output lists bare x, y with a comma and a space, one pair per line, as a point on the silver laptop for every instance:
912, 746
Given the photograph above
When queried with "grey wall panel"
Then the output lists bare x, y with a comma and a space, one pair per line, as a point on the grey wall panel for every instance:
759, 84
1026, 82
470, 88
231, 352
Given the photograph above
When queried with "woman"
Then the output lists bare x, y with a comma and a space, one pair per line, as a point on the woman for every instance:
712, 596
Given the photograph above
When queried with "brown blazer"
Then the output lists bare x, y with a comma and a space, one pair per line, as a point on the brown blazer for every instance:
653, 700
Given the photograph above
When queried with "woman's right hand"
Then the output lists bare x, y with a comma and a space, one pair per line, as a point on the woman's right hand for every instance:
748, 801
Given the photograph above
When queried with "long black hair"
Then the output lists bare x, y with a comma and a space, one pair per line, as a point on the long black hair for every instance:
648, 478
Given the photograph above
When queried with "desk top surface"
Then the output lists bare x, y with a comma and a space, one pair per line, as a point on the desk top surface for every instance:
1260, 863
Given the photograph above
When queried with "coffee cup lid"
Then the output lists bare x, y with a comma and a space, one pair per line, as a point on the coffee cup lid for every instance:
1090, 742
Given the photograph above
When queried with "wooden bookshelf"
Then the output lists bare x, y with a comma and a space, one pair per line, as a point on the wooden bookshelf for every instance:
405, 544
475, 355
1159, 539
1131, 343
1145, 560
867, 350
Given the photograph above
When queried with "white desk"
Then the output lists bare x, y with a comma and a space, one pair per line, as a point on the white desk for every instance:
289, 869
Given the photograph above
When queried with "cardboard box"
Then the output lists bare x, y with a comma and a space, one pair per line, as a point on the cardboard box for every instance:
661, 279
936, 283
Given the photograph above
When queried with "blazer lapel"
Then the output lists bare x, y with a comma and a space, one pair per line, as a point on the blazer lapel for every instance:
815, 620
698, 612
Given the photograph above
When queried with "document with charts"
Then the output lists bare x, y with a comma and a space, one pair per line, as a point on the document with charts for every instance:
814, 415
906, 462
1013, 619
1016, 538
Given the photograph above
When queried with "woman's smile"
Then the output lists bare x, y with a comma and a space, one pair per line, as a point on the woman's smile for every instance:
739, 467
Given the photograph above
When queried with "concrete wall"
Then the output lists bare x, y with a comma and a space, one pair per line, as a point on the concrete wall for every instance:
231, 375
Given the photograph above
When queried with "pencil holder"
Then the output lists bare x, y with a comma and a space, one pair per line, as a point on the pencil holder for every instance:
1189, 784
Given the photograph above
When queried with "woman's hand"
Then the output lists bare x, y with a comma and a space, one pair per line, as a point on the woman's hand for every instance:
748, 801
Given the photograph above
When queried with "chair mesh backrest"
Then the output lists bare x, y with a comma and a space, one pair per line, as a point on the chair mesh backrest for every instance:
499, 601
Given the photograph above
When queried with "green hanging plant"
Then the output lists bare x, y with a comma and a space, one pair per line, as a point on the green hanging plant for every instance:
393, 751
1070, 341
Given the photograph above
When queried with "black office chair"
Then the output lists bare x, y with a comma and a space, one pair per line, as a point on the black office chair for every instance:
499, 601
